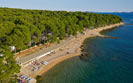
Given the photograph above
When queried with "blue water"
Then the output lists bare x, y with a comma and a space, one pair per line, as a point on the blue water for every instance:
107, 61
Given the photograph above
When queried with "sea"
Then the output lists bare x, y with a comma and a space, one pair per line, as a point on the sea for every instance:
107, 60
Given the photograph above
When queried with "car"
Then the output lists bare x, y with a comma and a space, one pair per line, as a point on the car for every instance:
44, 62
35, 69
28, 80
22, 76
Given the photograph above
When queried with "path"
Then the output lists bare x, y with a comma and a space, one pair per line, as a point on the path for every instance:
25, 59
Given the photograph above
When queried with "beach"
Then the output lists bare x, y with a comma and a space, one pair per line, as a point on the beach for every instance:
66, 51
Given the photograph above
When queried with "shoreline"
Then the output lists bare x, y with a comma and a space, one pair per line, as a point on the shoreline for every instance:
63, 58
70, 50
59, 60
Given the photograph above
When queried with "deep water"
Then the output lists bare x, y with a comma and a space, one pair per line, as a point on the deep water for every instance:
108, 61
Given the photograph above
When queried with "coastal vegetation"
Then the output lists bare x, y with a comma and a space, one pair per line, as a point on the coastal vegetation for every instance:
38, 78
23, 29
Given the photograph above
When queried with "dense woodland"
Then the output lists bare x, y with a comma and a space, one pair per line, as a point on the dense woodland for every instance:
26, 28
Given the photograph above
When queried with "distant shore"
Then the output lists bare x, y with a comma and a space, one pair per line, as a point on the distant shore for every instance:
68, 51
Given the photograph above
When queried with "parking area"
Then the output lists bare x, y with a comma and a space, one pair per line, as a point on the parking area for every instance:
24, 79
35, 65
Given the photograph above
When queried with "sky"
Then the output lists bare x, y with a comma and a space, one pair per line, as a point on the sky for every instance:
72, 5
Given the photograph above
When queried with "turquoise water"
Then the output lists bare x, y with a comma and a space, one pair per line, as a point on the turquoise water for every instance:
108, 61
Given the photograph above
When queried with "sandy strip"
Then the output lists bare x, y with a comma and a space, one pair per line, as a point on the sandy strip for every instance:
73, 48
57, 61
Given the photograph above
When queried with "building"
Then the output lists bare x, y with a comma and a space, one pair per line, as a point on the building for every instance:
12, 48
1, 55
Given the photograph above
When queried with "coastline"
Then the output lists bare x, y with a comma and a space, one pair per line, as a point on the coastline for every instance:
60, 59
73, 48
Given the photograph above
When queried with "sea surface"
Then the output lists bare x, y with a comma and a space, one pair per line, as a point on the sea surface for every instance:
107, 61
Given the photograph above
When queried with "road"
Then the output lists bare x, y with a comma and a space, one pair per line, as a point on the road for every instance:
30, 57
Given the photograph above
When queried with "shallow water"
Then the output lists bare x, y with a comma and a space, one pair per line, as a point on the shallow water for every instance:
108, 61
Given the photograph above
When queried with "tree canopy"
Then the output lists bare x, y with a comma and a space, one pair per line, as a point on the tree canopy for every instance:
25, 28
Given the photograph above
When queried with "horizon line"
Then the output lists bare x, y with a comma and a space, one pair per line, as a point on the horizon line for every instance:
70, 10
